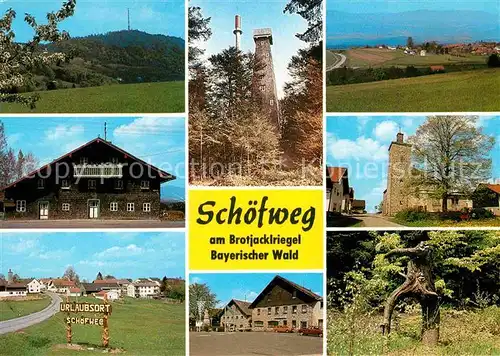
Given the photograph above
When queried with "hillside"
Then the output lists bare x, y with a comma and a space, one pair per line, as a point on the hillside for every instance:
115, 57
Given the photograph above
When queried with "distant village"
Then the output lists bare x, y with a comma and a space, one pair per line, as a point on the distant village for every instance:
112, 288
456, 49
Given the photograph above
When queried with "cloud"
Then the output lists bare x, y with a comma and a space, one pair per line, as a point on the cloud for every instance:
197, 280
361, 148
146, 126
65, 132
117, 251
386, 130
21, 245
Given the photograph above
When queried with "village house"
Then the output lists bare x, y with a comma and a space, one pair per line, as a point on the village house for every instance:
119, 284
11, 288
34, 286
102, 285
143, 289
74, 292
358, 206
285, 303
487, 196
337, 190
60, 285
111, 294
236, 316
95, 181
399, 195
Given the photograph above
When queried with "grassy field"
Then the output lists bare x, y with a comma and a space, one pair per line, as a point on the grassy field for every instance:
375, 57
477, 90
166, 97
138, 327
461, 333
449, 223
10, 309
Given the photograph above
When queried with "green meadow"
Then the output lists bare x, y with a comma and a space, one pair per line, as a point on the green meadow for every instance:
136, 327
10, 309
476, 90
163, 97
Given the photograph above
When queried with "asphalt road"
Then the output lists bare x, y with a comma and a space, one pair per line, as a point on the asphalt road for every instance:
11, 325
375, 220
340, 61
90, 224
253, 343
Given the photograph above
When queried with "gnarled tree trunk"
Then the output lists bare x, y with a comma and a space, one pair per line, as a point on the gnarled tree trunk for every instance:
419, 284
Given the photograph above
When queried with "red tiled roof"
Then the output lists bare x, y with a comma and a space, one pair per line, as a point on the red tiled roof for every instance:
74, 290
63, 283
494, 187
336, 173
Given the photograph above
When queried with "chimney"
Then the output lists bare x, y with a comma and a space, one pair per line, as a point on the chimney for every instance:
10, 276
399, 137
237, 30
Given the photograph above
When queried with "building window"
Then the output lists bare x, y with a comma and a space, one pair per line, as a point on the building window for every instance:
144, 184
294, 294
271, 102
146, 207
113, 206
119, 184
321, 305
114, 160
130, 207
285, 309
303, 324
92, 184
258, 311
41, 183
268, 311
294, 309
21, 206
84, 160
276, 310
65, 184
65, 207
304, 308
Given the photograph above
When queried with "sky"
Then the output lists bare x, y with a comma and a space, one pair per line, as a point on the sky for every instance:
392, 6
361, 144
159, 141
121, 254
254, 14
247, 286
164, 17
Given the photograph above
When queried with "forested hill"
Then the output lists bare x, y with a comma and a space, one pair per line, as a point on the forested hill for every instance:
117, 57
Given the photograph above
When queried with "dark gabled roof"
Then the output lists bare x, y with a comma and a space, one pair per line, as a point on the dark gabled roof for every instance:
163, 175
242, 306
493, 187
283, 281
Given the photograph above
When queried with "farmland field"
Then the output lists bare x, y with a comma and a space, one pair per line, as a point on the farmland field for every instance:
477, 90
375, 57
138, 327
165, 97
10, 309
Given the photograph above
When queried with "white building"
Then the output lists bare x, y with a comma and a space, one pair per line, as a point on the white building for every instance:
111, 294
34, 286
143, 289
337, 190
423, 53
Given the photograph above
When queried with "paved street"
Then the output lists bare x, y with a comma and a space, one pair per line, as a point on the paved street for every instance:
341, 59
375, 220
253, 343
90, 224
11, 325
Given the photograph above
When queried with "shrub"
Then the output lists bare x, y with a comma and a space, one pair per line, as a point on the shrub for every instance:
450, 215
493, 61
481, 213
412, 215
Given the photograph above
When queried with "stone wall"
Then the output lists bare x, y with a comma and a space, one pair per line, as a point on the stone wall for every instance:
233, 319
295, 316
397, 176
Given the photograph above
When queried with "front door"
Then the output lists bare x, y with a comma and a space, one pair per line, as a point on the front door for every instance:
43, 208
94, 209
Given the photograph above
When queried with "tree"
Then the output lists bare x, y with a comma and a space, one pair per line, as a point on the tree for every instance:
494, 61
71, 274
99, 276
451, 155
409, 42
109, 276
200, 293
309, 10
18, 60
198, 28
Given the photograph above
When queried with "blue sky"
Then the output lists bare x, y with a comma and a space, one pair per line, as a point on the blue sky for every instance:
247, 286
254, 14
156, 140
391, 6
121, 254
361, 144
164, 17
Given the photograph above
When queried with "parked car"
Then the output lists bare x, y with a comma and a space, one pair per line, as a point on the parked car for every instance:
311, 331
282, 329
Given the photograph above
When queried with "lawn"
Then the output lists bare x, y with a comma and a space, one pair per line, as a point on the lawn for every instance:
375, 57
477, 90
165, 97
10, 309
495, 222
139, 327
461, 333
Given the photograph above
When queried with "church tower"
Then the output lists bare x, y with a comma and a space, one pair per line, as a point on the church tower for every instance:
396, 198
264, 82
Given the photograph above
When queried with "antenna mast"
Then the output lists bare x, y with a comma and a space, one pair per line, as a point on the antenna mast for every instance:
128, 17
105, 131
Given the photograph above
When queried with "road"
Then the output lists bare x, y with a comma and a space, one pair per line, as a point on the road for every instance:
340, 61
253, 343
11, 325
90, 224
375, 220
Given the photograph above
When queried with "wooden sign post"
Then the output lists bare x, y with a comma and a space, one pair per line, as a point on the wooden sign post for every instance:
68, 325
105, 330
